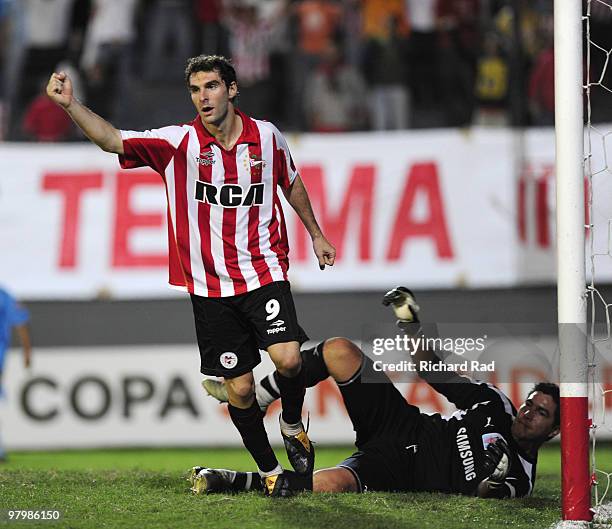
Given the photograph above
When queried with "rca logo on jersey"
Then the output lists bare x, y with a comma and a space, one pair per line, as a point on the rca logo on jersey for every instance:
206, 158
230, 195
278, 326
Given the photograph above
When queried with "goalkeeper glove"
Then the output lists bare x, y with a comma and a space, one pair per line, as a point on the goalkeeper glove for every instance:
404, 306
497, 461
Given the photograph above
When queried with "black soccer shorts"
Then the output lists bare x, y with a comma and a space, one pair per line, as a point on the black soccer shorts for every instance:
231, 330
387, 429
384, 465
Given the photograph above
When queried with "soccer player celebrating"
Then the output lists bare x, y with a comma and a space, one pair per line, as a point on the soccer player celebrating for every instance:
487, 448
228, 245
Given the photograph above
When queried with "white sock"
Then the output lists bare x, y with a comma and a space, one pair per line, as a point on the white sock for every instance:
273, 472
266, 391
291, 429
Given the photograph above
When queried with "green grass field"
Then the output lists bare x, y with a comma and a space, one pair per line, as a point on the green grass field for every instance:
147, 488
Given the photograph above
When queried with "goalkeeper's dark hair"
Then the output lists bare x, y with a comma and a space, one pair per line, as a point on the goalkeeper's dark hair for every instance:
211, 63
553, 390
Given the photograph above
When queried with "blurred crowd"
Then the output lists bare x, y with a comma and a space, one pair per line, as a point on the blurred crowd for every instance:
308, 65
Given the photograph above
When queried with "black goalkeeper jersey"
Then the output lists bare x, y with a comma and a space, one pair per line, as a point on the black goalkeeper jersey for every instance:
449, 455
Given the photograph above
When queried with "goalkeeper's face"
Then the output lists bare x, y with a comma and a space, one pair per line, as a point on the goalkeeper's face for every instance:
535, 420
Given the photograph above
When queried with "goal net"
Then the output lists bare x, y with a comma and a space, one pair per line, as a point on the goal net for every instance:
598, 149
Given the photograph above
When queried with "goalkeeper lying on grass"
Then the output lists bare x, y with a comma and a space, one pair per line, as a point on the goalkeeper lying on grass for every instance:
486, 448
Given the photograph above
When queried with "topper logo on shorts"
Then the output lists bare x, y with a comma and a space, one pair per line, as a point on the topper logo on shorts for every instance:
229, 195
228, 360
277, 327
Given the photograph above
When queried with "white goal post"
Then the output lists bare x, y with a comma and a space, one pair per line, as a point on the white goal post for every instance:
571, 282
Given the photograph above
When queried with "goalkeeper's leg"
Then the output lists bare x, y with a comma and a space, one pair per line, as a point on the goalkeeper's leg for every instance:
218, 480
379, 414
375, 408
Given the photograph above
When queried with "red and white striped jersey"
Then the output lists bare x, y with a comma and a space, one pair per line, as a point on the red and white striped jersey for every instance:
226, 229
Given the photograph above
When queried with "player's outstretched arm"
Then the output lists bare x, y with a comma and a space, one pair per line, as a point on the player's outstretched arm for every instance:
297, 196
97, 129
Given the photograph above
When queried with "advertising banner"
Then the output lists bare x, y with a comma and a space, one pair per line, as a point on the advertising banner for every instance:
151, 396
433, 206
444, 208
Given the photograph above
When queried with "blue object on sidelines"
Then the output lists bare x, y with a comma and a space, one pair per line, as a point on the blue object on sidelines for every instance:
11, 314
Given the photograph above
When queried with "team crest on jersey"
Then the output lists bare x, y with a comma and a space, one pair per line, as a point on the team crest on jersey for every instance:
489, 438
254, 162
229, 360
206, 158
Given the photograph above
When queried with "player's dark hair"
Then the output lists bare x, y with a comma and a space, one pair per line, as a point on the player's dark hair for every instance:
553, 390
211, 63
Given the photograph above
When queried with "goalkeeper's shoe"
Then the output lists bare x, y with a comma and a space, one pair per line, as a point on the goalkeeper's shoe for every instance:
404, 305
216, 389
300, 452
210, 480
286, 484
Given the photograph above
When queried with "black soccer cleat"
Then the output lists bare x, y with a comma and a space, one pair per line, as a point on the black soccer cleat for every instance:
210, 480
300, 452
286, 484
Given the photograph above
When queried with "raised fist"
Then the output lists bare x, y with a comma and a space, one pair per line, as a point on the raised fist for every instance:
59, 89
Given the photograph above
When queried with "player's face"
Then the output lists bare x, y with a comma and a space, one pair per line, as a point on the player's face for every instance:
210, 96
535, 418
